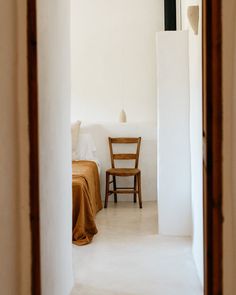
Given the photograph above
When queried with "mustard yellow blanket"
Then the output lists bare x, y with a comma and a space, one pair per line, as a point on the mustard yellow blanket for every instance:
86, 200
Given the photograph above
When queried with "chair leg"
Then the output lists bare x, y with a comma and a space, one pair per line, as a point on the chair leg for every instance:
140, 191
114, 187
107, 189
135, 187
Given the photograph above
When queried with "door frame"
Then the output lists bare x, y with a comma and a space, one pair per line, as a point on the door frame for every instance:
32, 66
213, 145
212, 94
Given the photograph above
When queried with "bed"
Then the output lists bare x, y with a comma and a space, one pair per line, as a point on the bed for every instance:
86, 201
85, 188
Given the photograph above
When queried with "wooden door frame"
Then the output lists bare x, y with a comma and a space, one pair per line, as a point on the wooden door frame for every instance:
33, 146
212, 91
213, 128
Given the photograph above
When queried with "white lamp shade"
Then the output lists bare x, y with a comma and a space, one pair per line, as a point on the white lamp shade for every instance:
122, 118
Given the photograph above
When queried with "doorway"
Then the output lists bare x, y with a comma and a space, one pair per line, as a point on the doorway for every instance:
211, 263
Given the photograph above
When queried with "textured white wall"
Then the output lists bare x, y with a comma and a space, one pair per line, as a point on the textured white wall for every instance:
24, 245
15, 266
195, 80
55, 146
114, 59
114, 66
174, 191
101, 131
9, 218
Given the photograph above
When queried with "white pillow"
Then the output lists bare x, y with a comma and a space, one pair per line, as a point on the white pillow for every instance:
86, 147
75, 127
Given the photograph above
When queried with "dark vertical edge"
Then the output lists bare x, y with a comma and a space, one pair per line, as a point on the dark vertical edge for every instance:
216, 125
33, 142
212, 70
207, 277
170, 15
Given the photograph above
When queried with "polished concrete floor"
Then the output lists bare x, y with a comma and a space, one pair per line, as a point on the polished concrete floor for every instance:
127, 257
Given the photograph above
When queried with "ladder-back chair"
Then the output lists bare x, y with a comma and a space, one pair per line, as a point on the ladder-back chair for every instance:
124, 172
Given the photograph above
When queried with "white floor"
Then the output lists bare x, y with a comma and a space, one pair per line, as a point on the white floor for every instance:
127, 257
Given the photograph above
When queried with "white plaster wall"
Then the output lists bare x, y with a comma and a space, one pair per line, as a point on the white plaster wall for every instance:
55, 146
24, 242
100, 133
114, 59
9, 229
114, 66
15, 252
229, 145
195, 80
174, 191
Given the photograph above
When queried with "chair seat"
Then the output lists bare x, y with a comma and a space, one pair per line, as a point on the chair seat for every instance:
123, 171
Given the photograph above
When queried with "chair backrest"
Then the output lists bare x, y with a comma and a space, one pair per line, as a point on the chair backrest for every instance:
125, 156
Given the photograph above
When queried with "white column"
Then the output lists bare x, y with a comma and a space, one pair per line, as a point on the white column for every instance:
174, 189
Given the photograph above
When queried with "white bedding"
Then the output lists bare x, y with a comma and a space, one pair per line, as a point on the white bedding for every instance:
86, 149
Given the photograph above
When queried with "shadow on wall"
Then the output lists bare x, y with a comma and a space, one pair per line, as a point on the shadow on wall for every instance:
148, 156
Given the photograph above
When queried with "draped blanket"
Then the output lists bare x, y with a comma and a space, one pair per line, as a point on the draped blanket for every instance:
86, 201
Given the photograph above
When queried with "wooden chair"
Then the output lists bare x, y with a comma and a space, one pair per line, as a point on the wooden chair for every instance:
124, 172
